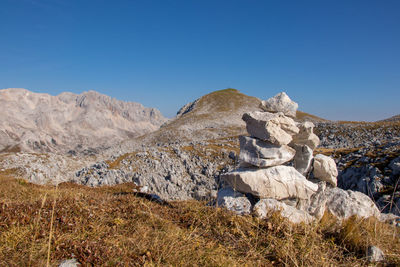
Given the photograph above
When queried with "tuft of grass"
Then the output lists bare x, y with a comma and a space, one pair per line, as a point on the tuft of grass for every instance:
112, 226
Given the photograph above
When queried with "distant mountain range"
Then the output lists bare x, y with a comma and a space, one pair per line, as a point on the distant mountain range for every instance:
41, 122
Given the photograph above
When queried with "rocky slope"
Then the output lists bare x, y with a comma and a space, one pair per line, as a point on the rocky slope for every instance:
214, 115
393, 118
70, 122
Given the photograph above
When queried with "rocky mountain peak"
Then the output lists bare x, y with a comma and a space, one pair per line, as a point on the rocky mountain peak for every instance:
41, 122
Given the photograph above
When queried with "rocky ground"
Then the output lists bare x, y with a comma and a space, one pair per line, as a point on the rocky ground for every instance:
184, 170
366, 154
356, 134
164, 166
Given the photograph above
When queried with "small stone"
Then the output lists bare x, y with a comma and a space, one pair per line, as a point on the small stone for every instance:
263, 154
375, 254
325, 169
69, 263
234, 201
281, 103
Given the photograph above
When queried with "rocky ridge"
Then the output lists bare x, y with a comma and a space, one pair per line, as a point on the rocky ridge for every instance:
79, 124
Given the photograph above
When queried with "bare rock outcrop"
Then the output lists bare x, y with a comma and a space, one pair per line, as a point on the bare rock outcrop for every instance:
70, 122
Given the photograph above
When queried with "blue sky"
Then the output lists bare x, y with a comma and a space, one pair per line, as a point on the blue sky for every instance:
338, 59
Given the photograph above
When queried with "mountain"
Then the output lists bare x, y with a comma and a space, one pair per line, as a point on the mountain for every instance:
70, 122
215, 115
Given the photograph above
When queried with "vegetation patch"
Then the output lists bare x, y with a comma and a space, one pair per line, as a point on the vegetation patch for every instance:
112, 226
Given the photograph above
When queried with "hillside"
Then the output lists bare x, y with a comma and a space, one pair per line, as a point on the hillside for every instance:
217, 114
392, 119
70, 122
113, 226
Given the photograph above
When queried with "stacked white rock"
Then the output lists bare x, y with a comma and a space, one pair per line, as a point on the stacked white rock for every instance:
261, 171
275, 142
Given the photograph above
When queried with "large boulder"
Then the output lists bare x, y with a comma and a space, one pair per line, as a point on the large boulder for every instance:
281, 103
234, 201
306, 135
266, 206
263, 154
278, 182
303, 158
342, 204
325, 169
272, 127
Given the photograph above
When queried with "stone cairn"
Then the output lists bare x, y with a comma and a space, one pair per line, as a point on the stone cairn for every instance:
265, 181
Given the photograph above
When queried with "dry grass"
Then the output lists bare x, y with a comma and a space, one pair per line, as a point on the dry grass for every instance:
111, 226
335, 152
303, 116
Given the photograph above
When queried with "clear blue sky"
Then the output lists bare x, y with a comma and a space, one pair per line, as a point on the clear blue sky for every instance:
337, 59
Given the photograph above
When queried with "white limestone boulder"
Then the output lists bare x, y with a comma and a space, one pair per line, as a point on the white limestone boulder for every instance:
263, 154
234, 201
303, 158
266, 206
278, 182
272, 127
306, 135
325, 169
342, 204
281, 103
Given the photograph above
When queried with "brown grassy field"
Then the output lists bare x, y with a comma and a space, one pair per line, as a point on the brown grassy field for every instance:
112, 226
